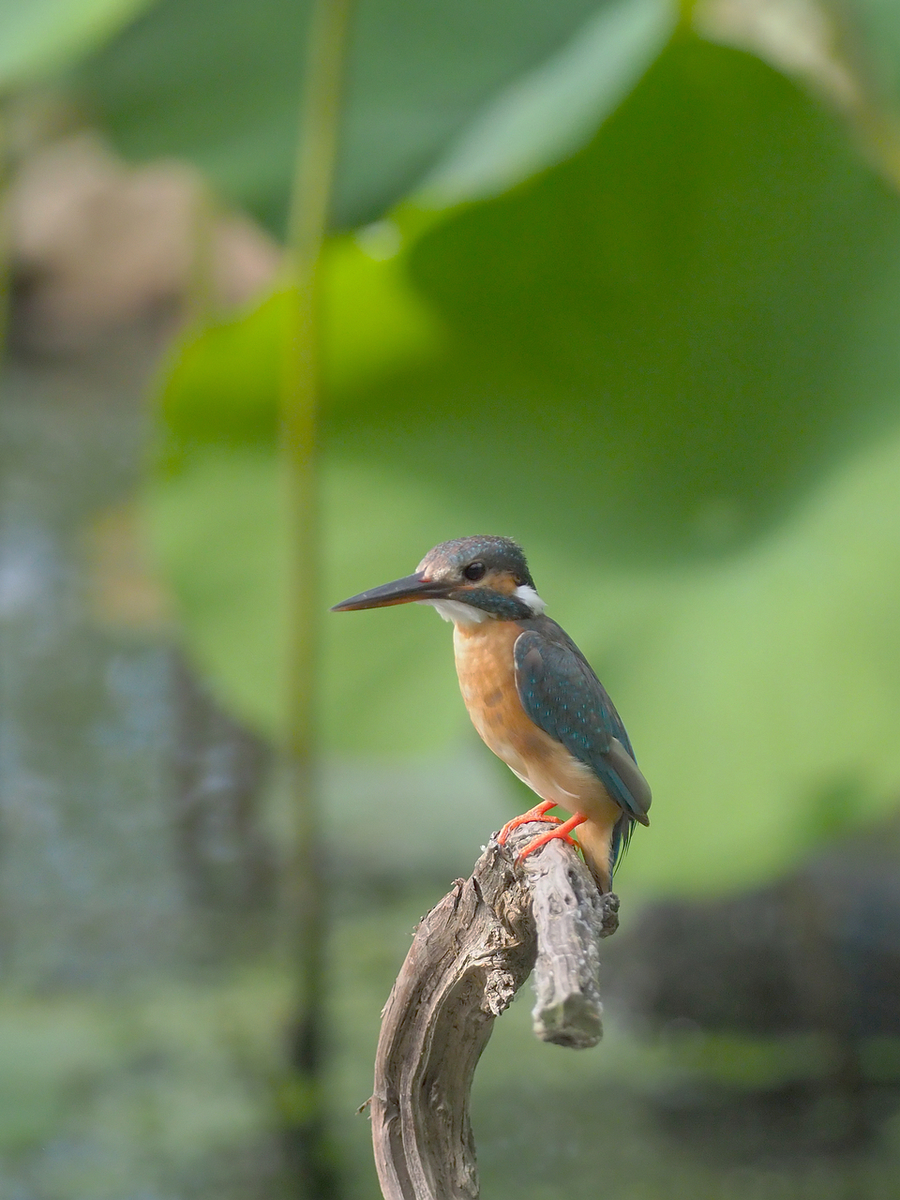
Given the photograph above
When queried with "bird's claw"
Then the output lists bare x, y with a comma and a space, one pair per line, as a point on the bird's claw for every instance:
561, 832
538, 813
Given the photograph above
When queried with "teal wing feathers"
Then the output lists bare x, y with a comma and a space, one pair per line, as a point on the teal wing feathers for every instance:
562, 695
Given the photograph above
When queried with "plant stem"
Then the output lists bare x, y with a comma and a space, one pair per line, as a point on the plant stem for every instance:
6, 175
310, 204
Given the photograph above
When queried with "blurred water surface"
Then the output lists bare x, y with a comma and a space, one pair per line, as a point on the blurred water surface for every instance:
145, 987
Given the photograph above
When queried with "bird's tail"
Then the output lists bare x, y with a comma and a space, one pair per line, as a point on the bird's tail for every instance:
597, 843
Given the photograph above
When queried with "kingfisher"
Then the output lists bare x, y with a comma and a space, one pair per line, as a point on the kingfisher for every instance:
531, 694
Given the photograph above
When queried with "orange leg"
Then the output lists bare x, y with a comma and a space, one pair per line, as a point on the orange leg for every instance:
562, 831
538, 813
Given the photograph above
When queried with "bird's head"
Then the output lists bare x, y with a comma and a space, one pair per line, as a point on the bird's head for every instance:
467, 580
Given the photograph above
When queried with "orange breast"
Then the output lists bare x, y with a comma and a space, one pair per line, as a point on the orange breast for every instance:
486, 669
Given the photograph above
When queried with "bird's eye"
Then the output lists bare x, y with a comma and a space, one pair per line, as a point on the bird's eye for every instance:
474, 571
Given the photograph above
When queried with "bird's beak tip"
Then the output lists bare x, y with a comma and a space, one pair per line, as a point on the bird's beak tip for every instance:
399, 591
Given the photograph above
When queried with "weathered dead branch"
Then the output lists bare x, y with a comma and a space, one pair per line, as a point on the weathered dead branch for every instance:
469, 957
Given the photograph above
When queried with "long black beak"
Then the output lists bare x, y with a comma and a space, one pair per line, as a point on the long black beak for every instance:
400, 591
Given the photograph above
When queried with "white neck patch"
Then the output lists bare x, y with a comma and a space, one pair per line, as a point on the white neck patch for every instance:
467, 614
530, 599
457, 611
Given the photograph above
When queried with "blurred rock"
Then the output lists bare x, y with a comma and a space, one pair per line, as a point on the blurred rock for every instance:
98, 245
814, 955
818, 951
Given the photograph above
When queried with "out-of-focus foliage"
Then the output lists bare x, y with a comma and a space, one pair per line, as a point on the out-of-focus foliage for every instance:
874, 35
40, 36
218, 81
692, 289
660, 364
554, 110
626, 295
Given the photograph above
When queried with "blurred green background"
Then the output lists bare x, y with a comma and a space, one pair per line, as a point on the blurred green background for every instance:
621, 280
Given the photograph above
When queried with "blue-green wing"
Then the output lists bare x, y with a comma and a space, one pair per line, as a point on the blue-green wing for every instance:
564, 697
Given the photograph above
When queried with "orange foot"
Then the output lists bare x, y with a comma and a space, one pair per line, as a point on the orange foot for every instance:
562, 831
539, 813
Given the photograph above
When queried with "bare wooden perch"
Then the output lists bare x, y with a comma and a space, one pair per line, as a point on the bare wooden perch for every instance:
469, 957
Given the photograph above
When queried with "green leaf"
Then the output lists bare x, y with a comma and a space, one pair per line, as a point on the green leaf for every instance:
874, 42
710, 286
669, 367
218, 531
218, 81
758, 691
221, 384
552, 111
38, 37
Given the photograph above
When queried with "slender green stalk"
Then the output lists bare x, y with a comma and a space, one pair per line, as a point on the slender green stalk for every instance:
5, 222
310, 205
201, 301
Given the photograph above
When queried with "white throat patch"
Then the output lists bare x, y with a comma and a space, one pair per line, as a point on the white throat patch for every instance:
530, 599
456, 611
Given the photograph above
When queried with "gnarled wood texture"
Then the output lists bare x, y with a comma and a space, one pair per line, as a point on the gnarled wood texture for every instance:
469, 957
